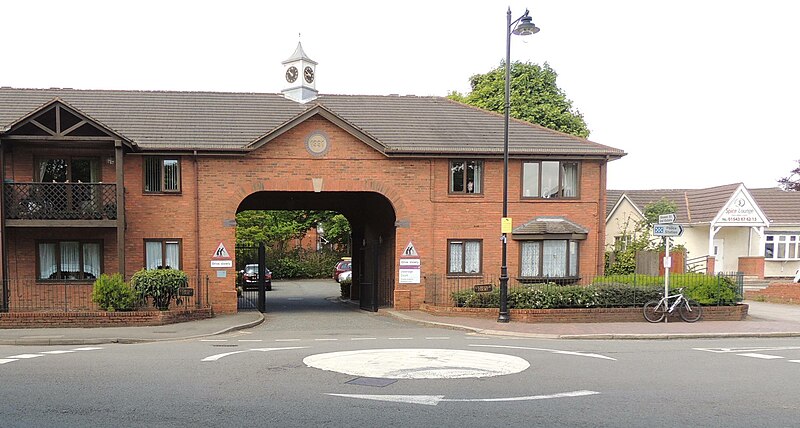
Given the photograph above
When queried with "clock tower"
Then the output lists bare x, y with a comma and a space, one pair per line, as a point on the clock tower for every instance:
300, 74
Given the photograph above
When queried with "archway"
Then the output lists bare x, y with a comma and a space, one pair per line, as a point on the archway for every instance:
372, 220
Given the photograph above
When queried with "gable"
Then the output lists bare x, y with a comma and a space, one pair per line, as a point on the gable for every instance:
741, 210
58, 121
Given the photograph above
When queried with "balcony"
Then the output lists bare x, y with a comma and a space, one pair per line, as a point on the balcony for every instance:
60, 204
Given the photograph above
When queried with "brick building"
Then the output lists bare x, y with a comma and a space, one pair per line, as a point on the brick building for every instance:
113, 181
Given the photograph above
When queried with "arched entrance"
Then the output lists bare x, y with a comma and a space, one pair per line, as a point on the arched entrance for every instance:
372, 220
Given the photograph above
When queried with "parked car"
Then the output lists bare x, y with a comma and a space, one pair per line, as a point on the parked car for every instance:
345, 276
250, 277
343, 265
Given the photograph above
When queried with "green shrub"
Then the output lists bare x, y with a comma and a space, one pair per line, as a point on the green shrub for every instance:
160, 285
111, 293
345, 285
705, 289
301, 263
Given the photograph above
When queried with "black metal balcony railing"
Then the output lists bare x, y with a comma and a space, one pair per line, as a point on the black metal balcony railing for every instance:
60, 201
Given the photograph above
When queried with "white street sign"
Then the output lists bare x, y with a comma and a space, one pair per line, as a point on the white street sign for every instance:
667, 230
666, 218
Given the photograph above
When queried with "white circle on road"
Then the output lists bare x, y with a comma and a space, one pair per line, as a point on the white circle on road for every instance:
418, 363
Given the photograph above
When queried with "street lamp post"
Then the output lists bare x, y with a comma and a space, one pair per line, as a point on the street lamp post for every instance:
522, 26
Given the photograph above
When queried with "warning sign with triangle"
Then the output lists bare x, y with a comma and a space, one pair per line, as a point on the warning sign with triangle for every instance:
410, 251
221, 252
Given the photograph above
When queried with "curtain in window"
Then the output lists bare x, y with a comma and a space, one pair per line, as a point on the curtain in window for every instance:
153, 255
573, 258
173, 255
70, 259
530, 259
171, 180
570, 179
474, 177
91, 260
554, 260
456, 177
456, 257
530, 180
47, 260
550, 177
472, 257
152, 174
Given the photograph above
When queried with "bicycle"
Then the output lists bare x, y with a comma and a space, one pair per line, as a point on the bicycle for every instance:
688, 309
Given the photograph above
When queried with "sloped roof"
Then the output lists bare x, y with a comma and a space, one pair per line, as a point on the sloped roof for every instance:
780, 206
702, 205
549, 225
217, 121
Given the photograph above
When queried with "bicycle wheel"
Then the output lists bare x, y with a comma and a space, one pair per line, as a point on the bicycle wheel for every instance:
654, 311
690, 311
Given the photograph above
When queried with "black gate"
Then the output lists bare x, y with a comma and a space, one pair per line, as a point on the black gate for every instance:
251, 296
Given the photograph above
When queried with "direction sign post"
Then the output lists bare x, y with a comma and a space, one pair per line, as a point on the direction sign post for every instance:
666, 218
667, 230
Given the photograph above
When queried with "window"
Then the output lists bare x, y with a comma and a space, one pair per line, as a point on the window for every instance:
64, 170
162, 175
69, 260
464, 257
550, 179
622, 242
162, 253
556, 258
466, 176
782, 247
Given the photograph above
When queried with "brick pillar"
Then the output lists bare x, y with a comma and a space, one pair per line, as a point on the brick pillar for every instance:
710, 265
752, 266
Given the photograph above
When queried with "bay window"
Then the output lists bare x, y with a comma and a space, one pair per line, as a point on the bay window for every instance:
782, 247
551, 258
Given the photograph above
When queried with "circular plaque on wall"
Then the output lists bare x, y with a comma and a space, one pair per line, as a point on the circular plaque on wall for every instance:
317, 143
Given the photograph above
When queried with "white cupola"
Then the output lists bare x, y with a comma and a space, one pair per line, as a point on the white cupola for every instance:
300, 73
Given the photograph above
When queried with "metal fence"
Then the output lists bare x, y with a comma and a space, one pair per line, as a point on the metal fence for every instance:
627, 290
66, 296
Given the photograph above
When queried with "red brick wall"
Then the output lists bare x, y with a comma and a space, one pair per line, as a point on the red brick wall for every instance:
98, 319
776, 292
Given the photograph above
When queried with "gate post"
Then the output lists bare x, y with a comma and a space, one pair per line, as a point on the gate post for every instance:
262, 287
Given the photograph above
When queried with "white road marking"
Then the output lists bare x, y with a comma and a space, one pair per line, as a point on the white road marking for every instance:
418, 363
25, 356
399, 338
554, 351
761, 356
736, 350
433, 400
7, 360
437, 338
57, 352
226, 354
794, 361
213, 340
88, 348
287, 340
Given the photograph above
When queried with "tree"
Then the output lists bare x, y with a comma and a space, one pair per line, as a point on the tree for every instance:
792, 182
337, 231
535, 97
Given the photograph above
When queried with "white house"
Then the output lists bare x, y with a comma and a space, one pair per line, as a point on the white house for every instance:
728, 228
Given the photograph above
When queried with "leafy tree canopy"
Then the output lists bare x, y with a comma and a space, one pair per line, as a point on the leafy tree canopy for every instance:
535, 97
277, 227
655, 209
792, 181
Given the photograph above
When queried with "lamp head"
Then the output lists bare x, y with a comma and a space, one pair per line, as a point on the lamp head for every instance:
526, 27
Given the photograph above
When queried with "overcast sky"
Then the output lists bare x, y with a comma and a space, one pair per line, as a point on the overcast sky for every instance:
698, 93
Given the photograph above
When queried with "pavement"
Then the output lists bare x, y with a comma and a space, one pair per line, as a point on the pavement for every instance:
764, 320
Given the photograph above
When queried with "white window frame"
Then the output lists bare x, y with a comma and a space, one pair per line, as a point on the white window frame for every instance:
782, 246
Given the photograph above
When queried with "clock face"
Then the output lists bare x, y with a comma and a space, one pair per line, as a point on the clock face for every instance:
308, 74
291, 74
